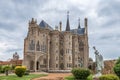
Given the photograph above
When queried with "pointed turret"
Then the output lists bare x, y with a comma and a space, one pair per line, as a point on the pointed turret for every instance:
60, 26
68, 25
79, 24
85, 23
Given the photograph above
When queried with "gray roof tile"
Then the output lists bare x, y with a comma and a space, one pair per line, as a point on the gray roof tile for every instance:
78, 31
43, 24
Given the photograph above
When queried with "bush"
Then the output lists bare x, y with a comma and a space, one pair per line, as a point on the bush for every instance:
20, 70
27, 72
80, 73
108, 77
0, 68
6, 69
90, 77
117, 68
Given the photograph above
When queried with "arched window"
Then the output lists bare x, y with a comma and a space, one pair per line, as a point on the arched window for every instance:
61, 52
38, 46
32, 45
81, 43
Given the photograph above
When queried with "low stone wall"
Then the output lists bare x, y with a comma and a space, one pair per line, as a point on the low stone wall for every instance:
108, 67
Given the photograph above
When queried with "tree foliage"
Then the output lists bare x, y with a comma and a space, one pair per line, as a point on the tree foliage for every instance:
117, 68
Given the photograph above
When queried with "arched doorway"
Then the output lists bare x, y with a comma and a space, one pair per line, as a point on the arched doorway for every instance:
37, 67
61, 66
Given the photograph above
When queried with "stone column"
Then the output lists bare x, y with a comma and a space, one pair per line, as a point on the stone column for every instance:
48, 46
35, 63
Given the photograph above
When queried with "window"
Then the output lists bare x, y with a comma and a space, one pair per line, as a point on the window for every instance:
81, 43
56, 58
32, 45
61, 52
56, 65
38, 46
69, 58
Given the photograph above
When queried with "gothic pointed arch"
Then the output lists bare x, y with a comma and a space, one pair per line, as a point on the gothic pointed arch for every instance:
32, 45
38, 46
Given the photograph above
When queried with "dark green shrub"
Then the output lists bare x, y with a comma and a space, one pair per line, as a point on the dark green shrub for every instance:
90, 77
6, 68
20, 70
27, 72
0, 68
117, 68
80, 73
108, 77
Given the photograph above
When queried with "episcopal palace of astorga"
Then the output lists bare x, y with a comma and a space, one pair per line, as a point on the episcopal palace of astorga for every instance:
48, 49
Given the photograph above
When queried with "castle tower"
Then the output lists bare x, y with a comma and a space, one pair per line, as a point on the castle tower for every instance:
54, 50
86, 46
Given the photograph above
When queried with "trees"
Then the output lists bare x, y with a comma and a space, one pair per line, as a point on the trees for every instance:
6, 69
117, 68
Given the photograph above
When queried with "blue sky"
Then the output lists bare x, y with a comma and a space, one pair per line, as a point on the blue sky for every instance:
103, 22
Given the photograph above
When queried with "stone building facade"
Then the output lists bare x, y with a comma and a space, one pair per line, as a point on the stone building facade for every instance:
48, 49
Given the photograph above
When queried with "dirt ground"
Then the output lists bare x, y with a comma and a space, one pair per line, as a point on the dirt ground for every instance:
54, 76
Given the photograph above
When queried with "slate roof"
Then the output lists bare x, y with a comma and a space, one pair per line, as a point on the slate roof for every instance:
43, 24
78, 31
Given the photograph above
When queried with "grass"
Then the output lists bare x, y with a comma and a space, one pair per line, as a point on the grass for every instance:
25, 77
70, 78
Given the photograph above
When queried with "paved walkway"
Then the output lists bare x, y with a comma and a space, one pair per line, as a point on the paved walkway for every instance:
54, 76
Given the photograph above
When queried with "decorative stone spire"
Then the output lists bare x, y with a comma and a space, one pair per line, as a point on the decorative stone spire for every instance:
79, 24
85, 23
68, 25
60, 26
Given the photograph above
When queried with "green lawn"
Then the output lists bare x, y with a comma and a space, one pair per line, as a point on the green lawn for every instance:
26, 77
69, 78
